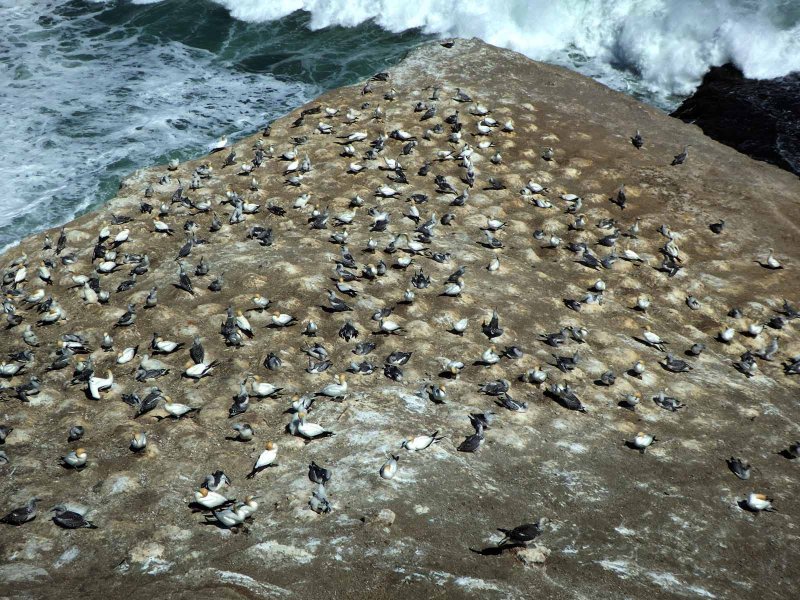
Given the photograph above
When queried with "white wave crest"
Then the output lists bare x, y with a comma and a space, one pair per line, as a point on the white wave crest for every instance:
667, 44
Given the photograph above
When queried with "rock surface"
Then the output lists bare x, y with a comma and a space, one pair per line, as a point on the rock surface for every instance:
623, 524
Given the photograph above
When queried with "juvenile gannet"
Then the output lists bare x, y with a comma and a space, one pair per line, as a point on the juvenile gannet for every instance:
70, 518
523, 534
244, 432
22, 515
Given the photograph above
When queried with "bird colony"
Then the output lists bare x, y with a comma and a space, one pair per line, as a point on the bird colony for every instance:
411, 296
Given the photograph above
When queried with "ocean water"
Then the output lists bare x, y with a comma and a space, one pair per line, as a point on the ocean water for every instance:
90, 91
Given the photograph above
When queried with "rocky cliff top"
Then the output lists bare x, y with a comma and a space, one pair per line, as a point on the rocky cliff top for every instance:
526, 199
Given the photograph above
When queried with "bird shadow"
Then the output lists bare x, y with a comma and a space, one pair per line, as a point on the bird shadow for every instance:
496, 550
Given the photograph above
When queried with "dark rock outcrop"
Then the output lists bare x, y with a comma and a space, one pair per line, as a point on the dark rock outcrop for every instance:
759, 117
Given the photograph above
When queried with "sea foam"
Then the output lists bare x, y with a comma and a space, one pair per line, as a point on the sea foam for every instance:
666, 44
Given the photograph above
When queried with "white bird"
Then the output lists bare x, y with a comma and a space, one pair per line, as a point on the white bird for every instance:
282, 319
454, 289
107, 266
76, 458
249, 506
290, 154
310, 430
243, 324
265, 459
301, 201
39, 294
165, 346
535, 188
389, 468
355, 168
494, 224
95, 385
208, 499
261, 302
653, 339
453, 366
390, 327
772, 262
291, 167
20, 275
479, 110
759, 502
358, 136
631, 256
755, 329
336, 390
231, 517
302, 403
219, 144
490, 356
199, 370
89, 295
263, 389
642, 441
726, 335
421, 442
161, 227
386, 191
127, 355
536, 375
176, 409
44, 273
122, 236
461, 325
